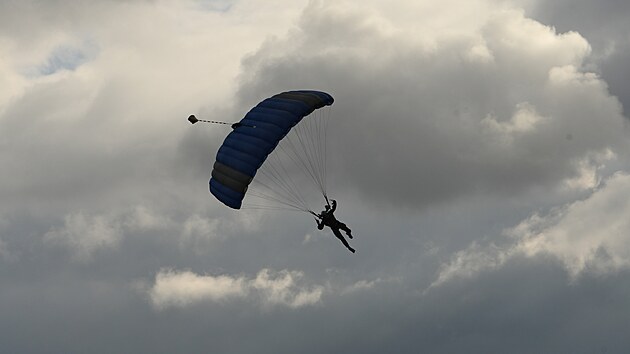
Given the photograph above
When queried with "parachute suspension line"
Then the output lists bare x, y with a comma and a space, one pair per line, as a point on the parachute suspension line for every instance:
322, 147
315, 135
290, 186
278, 204
308, 142
327, 117
311, 139
277, 200
304, 137
318, 146
267, 207
283, 204
273, 173
297, 158
304, 148
275, 178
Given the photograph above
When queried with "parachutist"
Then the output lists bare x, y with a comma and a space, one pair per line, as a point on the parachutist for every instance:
327, 218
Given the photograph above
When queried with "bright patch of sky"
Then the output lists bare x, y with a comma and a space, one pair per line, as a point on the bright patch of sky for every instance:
67, 57
216, 5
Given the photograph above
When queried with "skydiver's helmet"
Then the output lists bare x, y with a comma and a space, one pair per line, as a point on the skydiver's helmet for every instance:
327, 207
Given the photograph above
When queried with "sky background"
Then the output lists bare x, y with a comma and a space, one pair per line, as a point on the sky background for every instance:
479, 151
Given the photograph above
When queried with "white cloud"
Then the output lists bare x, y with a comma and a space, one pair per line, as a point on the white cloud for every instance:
85, 234
590, 235
183, 288
144, 219
470, 262
198, 232
282, 288
588, 168
361, 285
525, 119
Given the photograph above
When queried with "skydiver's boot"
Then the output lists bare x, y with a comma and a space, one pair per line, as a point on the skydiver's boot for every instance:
347, 230
343, 240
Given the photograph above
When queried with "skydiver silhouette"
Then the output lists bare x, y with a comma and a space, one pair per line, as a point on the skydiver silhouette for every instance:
327, 218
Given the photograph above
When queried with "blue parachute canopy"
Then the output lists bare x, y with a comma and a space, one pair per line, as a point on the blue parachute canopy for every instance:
246, 148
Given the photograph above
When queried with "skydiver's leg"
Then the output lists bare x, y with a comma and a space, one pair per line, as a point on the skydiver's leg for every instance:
342, 239
346, 229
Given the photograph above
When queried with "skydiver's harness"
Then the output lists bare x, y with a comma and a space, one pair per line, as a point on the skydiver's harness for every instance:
317, 215
326, 220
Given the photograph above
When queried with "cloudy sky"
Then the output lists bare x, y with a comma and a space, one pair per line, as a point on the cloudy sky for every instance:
479, 150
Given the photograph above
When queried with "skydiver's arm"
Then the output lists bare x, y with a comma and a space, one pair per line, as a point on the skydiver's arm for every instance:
334, 206
320, 224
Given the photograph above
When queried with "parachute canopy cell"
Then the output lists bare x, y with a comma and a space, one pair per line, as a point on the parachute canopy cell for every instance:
246, 148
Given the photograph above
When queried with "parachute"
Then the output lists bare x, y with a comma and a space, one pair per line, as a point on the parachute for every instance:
248, 147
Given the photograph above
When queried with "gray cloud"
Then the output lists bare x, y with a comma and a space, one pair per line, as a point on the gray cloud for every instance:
605, 25
461, 143
503, 109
